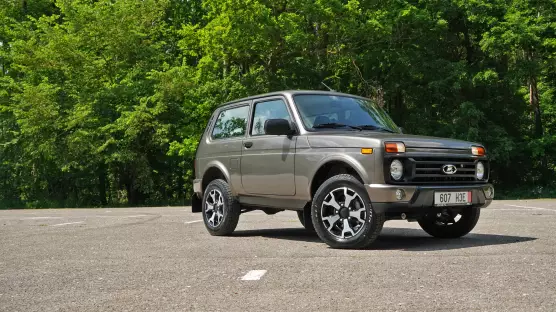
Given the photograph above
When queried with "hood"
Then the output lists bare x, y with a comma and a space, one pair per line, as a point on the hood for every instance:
410, 141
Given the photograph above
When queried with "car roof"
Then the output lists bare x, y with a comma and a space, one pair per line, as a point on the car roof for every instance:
289, 92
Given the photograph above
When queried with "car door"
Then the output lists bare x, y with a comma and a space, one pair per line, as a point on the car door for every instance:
267, 161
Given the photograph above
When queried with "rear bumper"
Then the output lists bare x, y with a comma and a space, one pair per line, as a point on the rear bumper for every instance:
197, 187
419, 199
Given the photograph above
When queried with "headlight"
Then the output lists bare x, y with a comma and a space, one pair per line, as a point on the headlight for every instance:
396, 170
480, 171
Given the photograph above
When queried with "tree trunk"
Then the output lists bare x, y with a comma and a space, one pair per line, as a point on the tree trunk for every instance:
534, 101
226, 65
468, 46
131, 195
102, 184
399, 110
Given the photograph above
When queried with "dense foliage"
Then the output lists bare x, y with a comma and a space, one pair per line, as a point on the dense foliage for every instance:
102, 101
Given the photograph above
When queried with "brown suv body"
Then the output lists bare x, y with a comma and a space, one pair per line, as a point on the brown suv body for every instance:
283, 172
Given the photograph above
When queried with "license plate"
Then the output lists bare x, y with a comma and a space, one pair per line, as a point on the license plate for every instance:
452, 198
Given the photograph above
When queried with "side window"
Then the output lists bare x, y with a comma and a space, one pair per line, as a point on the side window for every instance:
275, 109
231, 123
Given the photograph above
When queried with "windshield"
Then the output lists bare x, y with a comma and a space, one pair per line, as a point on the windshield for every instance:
321, 111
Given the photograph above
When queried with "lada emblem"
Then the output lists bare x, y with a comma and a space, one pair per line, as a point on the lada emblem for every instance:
449, 169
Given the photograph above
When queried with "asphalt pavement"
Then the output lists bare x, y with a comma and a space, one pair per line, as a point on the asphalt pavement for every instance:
162, 259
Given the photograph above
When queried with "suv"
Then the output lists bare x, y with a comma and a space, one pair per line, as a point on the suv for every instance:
339, 161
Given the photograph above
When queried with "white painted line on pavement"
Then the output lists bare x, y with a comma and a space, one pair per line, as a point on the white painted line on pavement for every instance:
38, 218
68, 223
113, 216
189, 222
174, 215
253, 275
529, 207
516, 209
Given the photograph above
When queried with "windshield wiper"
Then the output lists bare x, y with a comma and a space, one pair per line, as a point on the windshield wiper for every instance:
373, 127
333, 125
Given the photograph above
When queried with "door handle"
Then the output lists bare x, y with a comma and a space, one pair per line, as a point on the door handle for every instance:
247, 144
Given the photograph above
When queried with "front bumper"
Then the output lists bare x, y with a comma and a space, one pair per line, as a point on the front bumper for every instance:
419, 199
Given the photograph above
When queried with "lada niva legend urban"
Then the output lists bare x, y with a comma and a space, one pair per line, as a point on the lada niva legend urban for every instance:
339, 161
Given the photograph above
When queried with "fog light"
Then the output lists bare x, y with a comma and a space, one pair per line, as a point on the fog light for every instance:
489, 192
400, 194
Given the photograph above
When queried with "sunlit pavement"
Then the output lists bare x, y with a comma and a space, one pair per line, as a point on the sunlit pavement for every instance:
162, 259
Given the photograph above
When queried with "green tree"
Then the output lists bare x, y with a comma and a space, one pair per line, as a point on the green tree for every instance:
103, 102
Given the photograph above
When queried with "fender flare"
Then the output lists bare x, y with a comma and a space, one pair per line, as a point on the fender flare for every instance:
218, 165
348, 160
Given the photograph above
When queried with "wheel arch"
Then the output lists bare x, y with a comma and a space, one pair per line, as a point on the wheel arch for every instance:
215, 170
331, 166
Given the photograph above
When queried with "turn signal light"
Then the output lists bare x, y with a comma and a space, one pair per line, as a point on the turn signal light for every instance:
394, 147
366, 150
478, 151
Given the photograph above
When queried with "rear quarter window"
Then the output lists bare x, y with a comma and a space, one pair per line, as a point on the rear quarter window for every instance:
231, 123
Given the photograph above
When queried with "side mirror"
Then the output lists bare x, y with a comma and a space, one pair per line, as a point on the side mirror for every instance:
402, 130
278, 127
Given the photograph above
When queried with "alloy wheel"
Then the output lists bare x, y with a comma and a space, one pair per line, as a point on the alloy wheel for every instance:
214, 211
343, 212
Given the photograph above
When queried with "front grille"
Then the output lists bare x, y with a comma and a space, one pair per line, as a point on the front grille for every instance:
429, 170
426, 170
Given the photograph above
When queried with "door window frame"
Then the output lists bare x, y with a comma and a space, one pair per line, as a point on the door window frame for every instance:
268, 99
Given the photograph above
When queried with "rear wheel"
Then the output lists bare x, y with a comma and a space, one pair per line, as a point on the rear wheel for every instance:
450, 223
220, 209
342, 213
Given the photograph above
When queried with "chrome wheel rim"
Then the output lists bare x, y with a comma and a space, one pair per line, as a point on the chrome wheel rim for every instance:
214, 211
343, 212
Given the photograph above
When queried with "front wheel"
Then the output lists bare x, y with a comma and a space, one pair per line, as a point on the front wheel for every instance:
450, 223
342, 213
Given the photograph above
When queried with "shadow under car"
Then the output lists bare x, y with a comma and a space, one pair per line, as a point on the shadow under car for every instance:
396, 239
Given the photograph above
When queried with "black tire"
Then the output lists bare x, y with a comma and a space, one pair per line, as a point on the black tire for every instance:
469, 217
305, 218
367, 231
230, 209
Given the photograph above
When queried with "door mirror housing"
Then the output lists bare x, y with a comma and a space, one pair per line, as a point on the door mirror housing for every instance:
278, 127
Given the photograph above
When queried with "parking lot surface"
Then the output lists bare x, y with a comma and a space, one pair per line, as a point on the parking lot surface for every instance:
162, 259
